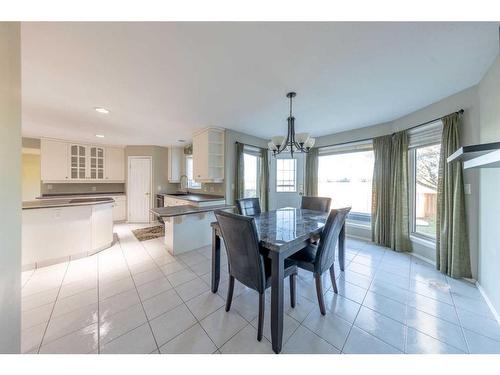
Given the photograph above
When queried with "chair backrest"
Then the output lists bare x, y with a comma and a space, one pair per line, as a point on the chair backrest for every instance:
325, 256
248, 206
316, 203
242, 245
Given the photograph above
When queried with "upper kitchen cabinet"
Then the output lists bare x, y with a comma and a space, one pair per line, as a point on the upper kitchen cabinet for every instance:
175, 160
114, 164
54, 160
208, 155
71, 162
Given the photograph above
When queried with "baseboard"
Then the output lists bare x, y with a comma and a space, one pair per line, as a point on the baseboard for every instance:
490, 305
359, 237
425, 259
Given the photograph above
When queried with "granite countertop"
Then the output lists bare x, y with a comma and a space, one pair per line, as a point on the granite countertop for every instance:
89, 194
284, 227
186, 210
196, 197
69, 202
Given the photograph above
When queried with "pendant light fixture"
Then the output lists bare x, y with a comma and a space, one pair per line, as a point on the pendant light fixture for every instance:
301, 142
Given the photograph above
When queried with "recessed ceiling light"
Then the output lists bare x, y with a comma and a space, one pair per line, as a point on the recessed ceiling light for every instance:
99, 136
102, 110
181, 140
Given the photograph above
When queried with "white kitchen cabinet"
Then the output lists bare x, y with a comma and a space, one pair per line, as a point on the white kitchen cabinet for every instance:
208, 155
114, 164
119, 207
175, 160
54, 161
73, 162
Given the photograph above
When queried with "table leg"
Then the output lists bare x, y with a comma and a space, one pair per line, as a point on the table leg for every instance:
342, 248
277, 271
215, 261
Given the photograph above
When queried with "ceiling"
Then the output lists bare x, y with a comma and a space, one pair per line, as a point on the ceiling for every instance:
163, 81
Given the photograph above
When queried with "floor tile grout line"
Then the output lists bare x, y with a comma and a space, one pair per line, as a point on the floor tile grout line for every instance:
53, 308
352, 325
99, 305
460, 321
137, 291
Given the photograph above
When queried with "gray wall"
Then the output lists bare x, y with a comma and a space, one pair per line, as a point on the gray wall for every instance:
489, 212
10, 188
466, 99
159, 156
231, 137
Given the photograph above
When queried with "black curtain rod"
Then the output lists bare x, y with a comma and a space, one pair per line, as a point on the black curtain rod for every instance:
459, 112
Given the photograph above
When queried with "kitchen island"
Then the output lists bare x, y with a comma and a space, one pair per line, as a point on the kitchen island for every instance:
187, 227
60, 229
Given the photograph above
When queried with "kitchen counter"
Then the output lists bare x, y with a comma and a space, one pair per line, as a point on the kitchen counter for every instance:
89, 194
195, 197
68, 202
174, 211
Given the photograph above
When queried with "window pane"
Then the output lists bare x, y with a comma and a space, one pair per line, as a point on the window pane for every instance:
347, 179
189, 173
286, 175
250, 178
426, 173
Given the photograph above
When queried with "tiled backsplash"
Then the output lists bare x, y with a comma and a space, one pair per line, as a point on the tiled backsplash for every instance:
81, 188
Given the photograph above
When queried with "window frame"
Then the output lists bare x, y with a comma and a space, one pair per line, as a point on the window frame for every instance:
253, 152
351, 148
295, 184
412, 189
191, 183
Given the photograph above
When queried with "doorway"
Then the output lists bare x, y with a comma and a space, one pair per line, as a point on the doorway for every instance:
139, 189
286, 181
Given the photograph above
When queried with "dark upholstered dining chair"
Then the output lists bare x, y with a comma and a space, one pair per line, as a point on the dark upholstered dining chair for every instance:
248, 206
320, 258
246, 263
316, 203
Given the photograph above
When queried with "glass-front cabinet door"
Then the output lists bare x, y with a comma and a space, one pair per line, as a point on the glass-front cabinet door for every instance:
78, 162
96, 163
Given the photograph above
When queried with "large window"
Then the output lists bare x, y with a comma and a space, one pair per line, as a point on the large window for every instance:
347, 179
192, 184
286, 175
425, 164
251, 175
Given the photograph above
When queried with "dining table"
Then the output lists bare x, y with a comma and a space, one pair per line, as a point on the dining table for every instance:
282, 233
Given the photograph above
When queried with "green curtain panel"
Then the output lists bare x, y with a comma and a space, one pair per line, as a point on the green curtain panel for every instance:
239, 172
264, 179
399, 231
381, 199
311, 188
452, 242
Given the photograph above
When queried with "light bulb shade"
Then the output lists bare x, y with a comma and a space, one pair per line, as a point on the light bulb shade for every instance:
278, 141
301, 138
310, 142
271, 146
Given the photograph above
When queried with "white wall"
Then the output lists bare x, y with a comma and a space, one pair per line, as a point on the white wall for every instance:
10, 188
489, 211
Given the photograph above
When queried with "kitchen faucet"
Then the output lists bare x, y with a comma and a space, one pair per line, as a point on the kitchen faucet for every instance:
187, 181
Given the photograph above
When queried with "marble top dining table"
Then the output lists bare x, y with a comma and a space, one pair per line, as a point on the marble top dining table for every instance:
283, 232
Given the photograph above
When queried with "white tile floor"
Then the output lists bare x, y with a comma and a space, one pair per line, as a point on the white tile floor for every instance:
137, 298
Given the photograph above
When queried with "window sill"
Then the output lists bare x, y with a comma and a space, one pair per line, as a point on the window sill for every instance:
423, 241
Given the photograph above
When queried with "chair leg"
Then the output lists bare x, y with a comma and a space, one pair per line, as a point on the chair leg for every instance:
230, 290
293, 289
319, 292
262, 301
332, 276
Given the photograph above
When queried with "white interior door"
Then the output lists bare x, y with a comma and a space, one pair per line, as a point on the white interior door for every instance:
279, 198
139, 189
